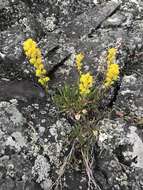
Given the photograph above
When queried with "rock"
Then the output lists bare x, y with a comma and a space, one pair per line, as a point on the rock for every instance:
11, 43
16, 141
46, 184
91, 20
33, 133
137, 152
8, 184
41, 169
14, 118
21, 90
115, 20
120, 137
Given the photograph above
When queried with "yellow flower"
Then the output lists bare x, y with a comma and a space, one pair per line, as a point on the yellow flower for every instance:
32, 61
43, 81
43, 71
35, 58
28, 44
86, 82
78, 58
31, 49
112, 74
38, 64
41, 66
38, 53
111, 57
28, 53
40, 72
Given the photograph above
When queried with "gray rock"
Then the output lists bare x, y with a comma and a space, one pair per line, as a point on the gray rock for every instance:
32, 131
91, 20
41, 169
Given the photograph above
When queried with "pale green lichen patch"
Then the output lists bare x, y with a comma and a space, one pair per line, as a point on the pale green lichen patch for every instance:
41, 169
13, 115
16, 141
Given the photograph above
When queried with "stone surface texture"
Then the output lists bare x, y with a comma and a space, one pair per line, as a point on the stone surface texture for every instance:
32, 131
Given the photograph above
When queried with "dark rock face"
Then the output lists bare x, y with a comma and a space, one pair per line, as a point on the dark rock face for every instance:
90, 21
32, 131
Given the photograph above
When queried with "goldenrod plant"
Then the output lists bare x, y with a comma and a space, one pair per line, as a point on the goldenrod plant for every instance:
85, 80
78, 59
111, 56
73, 99
82, 100
33, 53
85, 84
112, 73
84, 94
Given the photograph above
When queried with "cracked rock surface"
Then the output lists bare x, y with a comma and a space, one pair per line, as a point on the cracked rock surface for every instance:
32, 131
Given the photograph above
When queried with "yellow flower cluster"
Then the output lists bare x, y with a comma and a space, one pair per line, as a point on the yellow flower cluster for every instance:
111, 57
34, 55
112, 74
113, 68
78, 59
85, 83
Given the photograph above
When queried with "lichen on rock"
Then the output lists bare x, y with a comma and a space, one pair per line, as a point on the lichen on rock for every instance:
41, 169
33, 133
